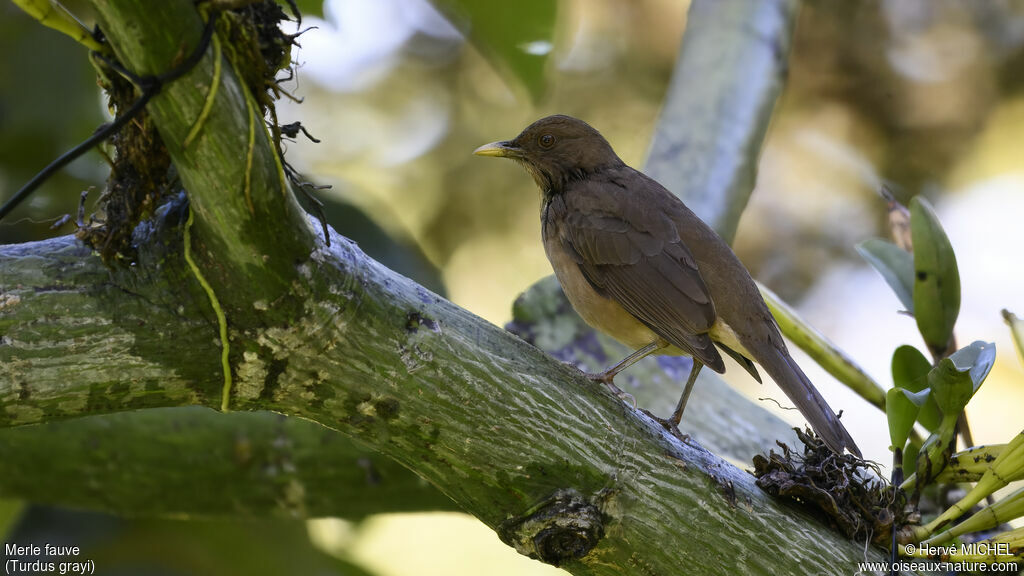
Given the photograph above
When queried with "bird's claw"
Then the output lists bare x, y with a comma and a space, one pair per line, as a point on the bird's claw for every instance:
608, 381
672, 427
625, 396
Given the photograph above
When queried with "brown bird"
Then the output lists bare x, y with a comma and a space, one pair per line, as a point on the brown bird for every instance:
638, 265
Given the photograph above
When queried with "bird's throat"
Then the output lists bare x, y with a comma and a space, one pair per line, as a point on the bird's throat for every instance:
542, 179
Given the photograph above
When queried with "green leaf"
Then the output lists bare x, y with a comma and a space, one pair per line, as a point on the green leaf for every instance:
955, 379
936, 278
1016, 330
901, 409
515, 36
910, 371
306, 7
896, 266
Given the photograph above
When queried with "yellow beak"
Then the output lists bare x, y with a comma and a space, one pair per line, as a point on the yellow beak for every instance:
499, 149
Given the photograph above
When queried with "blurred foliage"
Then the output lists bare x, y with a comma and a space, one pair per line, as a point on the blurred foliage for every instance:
10, 512
517, 35
905, 107
306, 7
48, 103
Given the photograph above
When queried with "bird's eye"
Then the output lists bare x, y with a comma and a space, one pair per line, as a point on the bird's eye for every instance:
547, 141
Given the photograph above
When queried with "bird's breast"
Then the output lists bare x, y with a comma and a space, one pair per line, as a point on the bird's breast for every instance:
601, 313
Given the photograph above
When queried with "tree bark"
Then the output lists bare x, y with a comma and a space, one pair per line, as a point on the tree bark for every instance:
561, 469
731, 67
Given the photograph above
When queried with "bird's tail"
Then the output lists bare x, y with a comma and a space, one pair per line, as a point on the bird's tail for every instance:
788, 375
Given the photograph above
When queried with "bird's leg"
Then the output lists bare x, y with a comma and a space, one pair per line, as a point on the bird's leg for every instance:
677, 416
608, 375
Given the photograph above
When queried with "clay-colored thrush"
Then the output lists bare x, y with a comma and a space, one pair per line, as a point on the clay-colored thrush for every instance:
638, 265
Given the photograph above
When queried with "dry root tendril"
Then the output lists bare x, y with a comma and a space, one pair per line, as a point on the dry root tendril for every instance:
844, 489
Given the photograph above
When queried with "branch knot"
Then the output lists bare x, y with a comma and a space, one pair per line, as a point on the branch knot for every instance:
565, 526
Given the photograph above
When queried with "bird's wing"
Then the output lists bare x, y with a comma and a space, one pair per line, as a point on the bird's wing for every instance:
629, 250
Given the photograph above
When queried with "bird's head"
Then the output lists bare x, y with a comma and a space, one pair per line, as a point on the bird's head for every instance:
556, 150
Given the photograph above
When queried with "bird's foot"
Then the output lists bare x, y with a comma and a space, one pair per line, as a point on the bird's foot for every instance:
608, 381
672, 425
